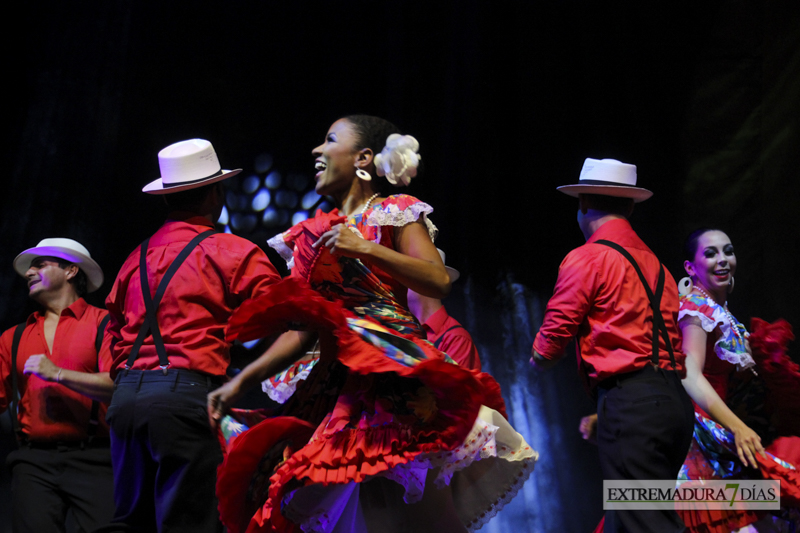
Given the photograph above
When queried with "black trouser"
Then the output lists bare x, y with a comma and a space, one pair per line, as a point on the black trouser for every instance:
50, 482
644, 429
164, 453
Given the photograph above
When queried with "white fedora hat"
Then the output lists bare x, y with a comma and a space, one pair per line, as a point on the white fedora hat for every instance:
608, 177
187, 165
65, 249
452, 272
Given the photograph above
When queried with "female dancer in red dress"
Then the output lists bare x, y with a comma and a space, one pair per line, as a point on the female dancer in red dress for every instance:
716, 347
386, 433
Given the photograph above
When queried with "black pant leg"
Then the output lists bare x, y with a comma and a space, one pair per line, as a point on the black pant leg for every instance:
644, 431
36, 502
188, 454
134, 468
87, 483
165, 455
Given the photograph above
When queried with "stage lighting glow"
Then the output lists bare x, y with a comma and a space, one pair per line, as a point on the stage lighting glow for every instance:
268, 199
273, 180
298, 217
271, 217
243, 222
251, 184
263, 163
309, 199
260, 200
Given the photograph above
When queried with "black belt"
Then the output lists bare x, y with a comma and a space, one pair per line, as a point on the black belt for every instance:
648, 371
67, 445
172, 375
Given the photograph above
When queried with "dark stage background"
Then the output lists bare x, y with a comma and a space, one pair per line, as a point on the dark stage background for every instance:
506, 99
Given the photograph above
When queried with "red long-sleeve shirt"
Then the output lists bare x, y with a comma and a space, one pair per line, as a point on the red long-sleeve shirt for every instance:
221, 273
600, 299
49, 411
452, 339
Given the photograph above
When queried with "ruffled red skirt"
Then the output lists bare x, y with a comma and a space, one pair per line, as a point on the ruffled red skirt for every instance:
367, 408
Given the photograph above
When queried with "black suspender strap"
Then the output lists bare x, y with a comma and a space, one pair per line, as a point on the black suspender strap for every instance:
15, 397
150, 325
655, 303
91, 431
94, 417
98, 340
441, 337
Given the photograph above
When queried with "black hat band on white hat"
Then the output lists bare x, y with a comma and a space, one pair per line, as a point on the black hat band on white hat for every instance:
180, 183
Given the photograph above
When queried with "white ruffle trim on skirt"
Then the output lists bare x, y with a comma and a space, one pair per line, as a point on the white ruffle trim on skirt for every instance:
485, 473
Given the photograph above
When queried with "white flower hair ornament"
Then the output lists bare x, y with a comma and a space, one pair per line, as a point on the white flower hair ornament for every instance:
398, 160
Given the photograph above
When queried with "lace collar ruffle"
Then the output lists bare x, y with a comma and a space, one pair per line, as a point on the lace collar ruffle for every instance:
729, 346
390, 213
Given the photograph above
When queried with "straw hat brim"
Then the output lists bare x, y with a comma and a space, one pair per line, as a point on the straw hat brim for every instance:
94, 273
157, 186
621, 191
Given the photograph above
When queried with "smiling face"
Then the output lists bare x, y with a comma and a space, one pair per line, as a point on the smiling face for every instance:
46, 276
714, 264
335, 159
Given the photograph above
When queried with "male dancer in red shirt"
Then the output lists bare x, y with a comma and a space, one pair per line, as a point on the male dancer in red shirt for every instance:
169, 307
444, 331
622, 304
56, 363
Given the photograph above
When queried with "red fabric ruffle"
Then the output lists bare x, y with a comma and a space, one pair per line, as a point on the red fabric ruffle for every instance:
340, 453
293, 301
789, 478
711, 520
236, 472
341, 450
287, 304
787, 448
769, 343
300, 237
